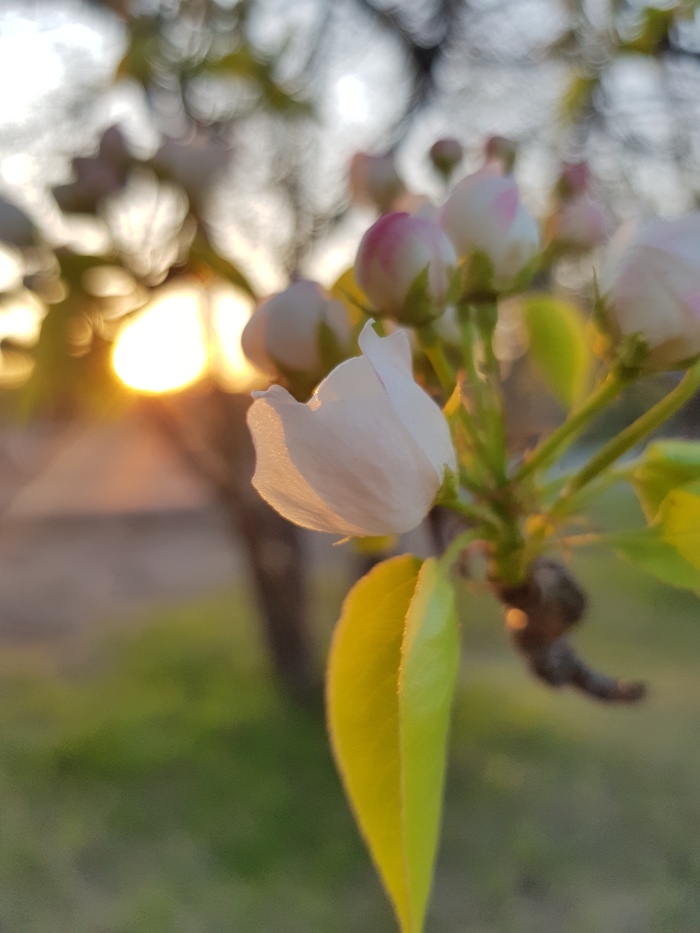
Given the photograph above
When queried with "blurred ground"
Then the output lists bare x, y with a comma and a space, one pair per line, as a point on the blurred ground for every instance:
160, 786
100, 520
152, 781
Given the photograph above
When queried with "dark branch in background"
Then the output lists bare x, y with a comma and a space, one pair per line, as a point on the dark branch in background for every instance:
422, 57
210, 435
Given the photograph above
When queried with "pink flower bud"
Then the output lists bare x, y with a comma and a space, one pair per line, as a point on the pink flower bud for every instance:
366, 455
579, 224
374, 180
650, 286
502, 151
484, 213
284, 332
405, 266
445, 154
573, 180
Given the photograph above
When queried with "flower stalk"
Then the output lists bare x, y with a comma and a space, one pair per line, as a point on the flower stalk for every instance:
636, 432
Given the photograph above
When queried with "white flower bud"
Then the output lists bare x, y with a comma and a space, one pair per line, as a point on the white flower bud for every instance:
484, 213
284, 332
405, 265
650, 285
578, 224
366, 455
374, 180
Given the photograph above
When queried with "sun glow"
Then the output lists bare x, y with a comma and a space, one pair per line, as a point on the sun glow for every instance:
183, 333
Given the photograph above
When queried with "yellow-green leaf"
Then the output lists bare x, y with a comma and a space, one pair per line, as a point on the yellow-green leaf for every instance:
391, 676
665, 465
346, 290
558, 346
647, 549
679, 521
669, 549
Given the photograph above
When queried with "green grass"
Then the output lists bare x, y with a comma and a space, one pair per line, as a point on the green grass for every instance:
163, 787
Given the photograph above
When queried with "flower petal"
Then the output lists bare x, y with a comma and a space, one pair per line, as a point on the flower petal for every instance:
390, 358
367, 474
276, 478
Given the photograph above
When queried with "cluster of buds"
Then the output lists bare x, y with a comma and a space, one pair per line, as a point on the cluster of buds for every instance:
369, 452
406, 264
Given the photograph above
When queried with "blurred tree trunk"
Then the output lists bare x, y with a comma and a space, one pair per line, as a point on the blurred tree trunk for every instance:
210, 433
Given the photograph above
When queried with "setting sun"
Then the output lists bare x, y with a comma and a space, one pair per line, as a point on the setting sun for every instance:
183, 333
165, 347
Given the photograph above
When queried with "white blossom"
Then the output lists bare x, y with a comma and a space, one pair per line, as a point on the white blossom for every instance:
366, 455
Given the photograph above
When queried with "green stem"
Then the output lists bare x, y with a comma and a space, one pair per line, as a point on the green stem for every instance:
559, 440
447, 378
636, 432
475, 381
455, 548
487, 316
485, 432
441, 366
475, 513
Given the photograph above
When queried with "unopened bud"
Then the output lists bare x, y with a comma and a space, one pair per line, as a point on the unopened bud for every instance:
573, 181
650, 288
374, 180
445, 154
501, 150
578, 224
484, 214
289, 332
405, 265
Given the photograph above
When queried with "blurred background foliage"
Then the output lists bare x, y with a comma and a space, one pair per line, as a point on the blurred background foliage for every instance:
205, 145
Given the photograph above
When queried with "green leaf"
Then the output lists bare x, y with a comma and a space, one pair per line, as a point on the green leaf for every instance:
665, 465
670, 548
647, 550
391, 676
679, 522
558, 346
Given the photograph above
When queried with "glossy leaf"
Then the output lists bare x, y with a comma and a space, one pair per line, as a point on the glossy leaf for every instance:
665, 466
392, 671
558, 346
